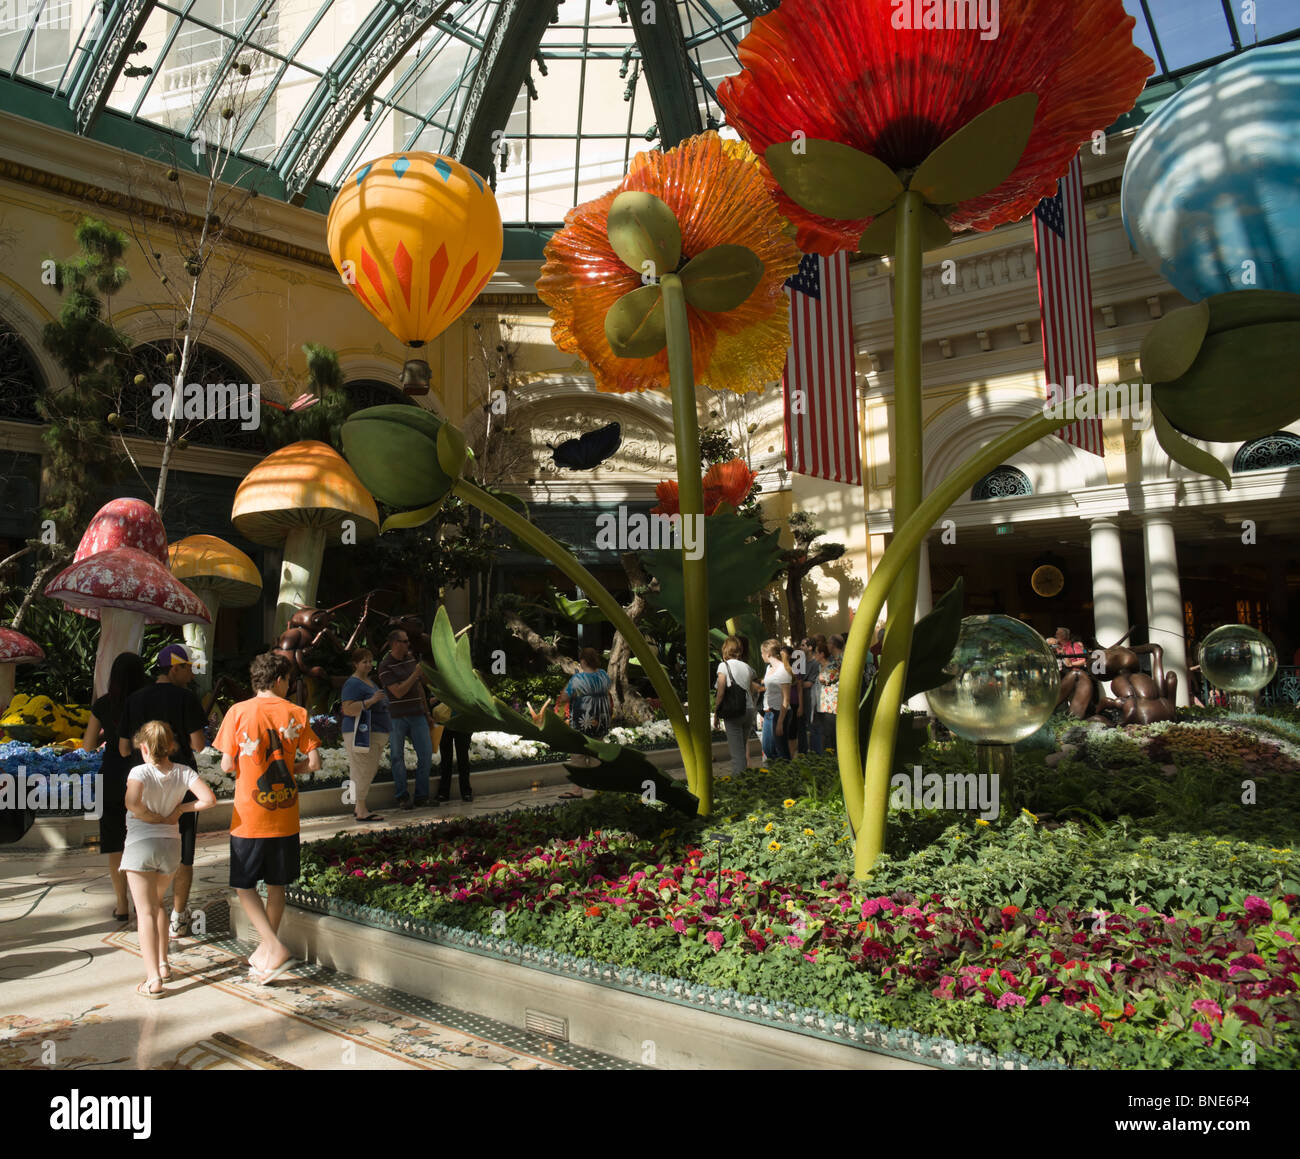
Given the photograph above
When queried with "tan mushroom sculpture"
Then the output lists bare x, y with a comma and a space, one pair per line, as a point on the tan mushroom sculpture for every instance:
15, 649
221, 576
302, 498
128, 588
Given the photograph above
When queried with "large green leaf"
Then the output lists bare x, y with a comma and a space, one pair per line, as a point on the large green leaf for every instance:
749, 628
881, 236
1172, 344
721, 278
579, 611
737, 569
474, 708
1181, 451
635, 325
934, 639
980, 155
642, 229
833, 179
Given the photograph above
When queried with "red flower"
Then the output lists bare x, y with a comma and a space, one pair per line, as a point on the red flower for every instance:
1129, 1010
841, 70
593, 911
1092, 1008
723, 483
1012, 910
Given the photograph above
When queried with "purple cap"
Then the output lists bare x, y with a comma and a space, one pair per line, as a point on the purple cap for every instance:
170, 657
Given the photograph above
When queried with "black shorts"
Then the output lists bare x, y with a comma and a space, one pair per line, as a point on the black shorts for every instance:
189, 824
273, 860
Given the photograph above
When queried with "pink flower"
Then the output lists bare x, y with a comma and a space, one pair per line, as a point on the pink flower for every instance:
1258, 909
1284, 935
1010, 999
679, 925
716, 938
870, 908
1205, 1006
811, 957
791, 940
1045, 1000
1204, 1031
358, 873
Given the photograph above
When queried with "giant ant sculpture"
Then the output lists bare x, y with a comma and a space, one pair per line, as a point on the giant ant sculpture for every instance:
1139, 698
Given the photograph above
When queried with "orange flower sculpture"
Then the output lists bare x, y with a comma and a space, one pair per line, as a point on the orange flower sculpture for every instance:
716, 193
871, 75
723, 483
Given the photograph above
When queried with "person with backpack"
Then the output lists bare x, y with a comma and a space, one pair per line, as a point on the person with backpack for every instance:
734, 704
591, 706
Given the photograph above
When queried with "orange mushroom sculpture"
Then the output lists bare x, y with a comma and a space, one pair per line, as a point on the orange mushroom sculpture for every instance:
221, 576
303, 498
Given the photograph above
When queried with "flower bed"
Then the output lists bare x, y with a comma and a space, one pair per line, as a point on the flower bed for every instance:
1001, 935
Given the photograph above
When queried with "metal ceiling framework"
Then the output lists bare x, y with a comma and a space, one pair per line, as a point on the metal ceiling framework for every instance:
386, 36
667, 68
499, 39
513, 41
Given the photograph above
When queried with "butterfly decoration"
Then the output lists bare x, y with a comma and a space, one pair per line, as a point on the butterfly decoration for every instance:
590, 450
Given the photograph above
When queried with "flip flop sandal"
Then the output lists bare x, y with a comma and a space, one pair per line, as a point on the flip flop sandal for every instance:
372, 817
126, 917
143, 988
283, 967
165, 971
569, 796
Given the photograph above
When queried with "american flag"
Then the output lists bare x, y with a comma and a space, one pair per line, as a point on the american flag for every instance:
821, 398
1065, 301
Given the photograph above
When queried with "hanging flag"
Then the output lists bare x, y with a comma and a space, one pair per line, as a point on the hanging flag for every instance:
1065, 302
821, 397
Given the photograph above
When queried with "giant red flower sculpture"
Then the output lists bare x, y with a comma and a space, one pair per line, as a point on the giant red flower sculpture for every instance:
728, 482
856, 72
714, 189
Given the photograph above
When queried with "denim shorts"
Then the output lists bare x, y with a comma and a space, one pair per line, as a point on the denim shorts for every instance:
152, 855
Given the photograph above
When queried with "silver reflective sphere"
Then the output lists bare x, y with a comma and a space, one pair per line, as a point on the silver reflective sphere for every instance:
1005, 682
1237, 658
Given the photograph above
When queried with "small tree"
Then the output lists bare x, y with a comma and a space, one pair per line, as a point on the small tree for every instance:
189, 247
801, 560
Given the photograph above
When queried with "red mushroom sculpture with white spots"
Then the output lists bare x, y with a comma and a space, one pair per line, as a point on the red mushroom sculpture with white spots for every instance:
15, 649
122, 523
128, 588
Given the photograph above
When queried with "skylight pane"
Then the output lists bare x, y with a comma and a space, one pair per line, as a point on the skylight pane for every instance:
1191, 31
51, 42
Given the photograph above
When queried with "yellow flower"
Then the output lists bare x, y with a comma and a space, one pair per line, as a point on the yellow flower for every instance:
774, 845
1030, 815
762, 770
768, 827
981, 822
788, 802
808, 833
753, 818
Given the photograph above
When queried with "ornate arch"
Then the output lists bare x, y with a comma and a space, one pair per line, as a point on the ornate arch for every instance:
1051, 465
1001, 482
561, 407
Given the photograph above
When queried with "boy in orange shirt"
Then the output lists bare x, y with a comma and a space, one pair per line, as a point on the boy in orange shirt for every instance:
263, 742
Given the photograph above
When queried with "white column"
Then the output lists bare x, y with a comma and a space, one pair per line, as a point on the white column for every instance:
1109, 603
924, 602
1165, 598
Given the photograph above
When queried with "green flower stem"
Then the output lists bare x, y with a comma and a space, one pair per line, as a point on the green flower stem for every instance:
690, 498
548, 549
906, 543
890, 684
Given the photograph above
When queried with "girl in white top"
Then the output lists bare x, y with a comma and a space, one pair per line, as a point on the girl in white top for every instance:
153, 841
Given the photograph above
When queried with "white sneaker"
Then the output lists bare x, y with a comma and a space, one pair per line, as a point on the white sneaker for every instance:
180, 925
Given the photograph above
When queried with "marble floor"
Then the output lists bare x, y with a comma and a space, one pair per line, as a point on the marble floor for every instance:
68, 973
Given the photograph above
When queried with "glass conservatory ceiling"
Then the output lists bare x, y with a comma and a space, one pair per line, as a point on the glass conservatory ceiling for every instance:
551, 99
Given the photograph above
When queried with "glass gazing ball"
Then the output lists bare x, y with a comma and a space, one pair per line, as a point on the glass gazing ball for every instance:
1005, 682
1237, 658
